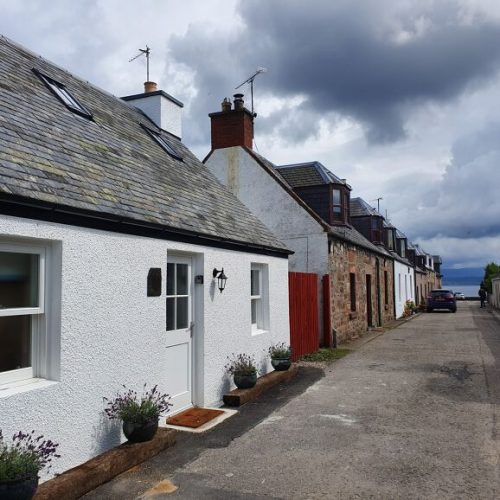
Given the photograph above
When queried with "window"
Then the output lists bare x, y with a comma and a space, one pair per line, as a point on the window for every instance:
62, 93
336, 204
162, 141
178, 304
352, 280
259, 309
22, 296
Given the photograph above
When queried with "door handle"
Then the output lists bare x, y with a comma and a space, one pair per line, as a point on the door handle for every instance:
191, 326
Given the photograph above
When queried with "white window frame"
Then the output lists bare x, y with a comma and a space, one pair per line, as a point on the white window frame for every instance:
261, 299
36, 313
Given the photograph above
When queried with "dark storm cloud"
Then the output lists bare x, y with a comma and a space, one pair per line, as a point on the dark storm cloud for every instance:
465, 203
347, 57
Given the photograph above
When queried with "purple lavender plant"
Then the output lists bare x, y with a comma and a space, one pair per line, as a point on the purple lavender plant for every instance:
130, 407
242, 364
25, 456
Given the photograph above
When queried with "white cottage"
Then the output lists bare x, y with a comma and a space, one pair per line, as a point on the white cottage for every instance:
110, 234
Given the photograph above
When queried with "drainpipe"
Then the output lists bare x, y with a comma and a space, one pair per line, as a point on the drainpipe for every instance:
379, 300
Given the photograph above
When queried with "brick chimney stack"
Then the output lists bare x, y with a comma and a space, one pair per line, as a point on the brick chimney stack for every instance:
232, 127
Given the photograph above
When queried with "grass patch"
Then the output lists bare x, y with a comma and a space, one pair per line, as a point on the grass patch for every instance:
326, 354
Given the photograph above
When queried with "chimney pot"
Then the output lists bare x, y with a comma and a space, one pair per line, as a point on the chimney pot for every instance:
150, 87
238, 101
226, 104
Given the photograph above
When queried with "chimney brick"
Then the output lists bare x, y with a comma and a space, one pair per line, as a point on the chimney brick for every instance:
232, 127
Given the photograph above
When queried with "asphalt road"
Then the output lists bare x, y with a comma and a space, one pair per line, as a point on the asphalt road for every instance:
412, 414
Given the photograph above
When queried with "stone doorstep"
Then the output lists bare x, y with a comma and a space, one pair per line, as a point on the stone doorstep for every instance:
239, 397
75, 482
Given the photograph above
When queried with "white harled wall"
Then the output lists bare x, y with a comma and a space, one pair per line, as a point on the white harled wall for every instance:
404, 286
111, 333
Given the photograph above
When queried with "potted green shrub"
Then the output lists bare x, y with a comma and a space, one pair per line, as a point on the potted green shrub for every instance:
280, 356
20, 462
243, 369
139, 414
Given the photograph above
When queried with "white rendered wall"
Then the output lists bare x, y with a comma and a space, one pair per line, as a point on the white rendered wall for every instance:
247, 180
404, 286
113, 334
163, 112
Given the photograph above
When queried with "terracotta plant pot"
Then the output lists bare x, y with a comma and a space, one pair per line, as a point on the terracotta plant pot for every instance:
139, 433
245, 381
18, 489
281, 364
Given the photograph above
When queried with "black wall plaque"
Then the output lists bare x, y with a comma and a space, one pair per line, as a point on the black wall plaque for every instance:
154, 282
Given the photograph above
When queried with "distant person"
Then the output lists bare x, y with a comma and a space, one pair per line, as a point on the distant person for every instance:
482, 296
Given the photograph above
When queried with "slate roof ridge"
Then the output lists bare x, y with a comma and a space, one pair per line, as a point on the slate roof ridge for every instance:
364, 207
326, 175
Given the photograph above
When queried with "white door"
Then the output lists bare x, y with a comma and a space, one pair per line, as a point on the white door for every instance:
179, 332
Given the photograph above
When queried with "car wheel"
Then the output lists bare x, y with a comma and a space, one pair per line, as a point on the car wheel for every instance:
429, 309
453, 310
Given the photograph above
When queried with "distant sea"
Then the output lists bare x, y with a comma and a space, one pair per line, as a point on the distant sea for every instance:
466, 281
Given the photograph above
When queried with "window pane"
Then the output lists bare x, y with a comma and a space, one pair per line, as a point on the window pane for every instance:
336, 196
254, 282
170, 279
19, 277
15, 342
182, 312
254, 311
171, 314
182, 279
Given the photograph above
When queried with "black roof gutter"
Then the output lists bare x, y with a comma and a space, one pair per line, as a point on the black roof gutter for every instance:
28, 208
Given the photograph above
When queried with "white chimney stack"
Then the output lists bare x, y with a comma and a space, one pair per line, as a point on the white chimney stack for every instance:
162, 109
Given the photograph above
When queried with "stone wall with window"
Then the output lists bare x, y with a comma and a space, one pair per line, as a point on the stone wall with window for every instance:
350, 309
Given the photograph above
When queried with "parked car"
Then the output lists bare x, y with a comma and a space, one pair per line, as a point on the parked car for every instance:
441, 299
459, 295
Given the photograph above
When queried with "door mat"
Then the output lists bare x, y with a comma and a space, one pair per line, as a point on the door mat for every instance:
194, 417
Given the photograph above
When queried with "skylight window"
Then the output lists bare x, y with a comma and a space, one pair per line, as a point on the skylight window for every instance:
164, 144
62, 93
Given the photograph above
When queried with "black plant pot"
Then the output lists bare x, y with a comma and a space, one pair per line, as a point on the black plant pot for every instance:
18, 489
245, 381
138, 433
281, 364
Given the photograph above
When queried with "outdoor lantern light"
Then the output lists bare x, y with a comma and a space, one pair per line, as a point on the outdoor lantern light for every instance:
221, 278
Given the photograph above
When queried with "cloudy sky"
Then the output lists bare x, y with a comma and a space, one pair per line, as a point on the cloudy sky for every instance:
400, 98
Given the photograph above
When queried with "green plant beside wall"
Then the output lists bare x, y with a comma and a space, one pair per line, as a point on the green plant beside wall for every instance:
139, 413
243, 369
21, 460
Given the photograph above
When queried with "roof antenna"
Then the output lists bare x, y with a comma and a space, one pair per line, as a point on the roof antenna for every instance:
143, 52
250, 81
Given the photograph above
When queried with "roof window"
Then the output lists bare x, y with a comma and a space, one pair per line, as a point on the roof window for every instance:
163, 143
62, 93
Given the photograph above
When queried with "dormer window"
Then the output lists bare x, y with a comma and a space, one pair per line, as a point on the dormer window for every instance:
163, 143
63, 94
340, 202
376, 225
336, 204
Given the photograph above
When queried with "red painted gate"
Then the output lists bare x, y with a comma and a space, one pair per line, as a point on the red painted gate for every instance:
303, 302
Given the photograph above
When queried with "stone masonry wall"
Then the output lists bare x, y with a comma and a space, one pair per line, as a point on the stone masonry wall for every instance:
345, 259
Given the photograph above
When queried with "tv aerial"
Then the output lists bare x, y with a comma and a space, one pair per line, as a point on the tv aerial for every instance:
250, 81
143, 52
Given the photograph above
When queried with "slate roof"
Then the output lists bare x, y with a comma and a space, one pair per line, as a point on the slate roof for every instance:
308, 174
360, 208
109, 164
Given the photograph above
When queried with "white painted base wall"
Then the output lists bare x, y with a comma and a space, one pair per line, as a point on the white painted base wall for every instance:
404, 286
111, 333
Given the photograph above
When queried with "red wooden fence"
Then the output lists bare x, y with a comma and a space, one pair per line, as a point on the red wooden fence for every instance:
303, 301
327, 324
